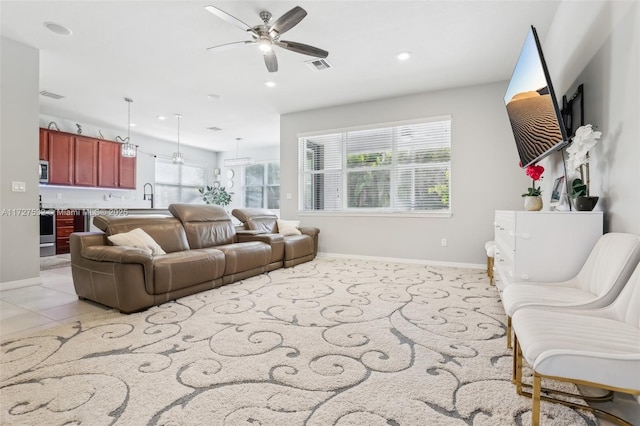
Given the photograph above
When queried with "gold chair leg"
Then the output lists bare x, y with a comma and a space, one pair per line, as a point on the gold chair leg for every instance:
490, 269
535, 412
508, 332
517, 366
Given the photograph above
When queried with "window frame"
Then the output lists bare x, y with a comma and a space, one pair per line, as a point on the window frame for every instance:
265, 184
346, 211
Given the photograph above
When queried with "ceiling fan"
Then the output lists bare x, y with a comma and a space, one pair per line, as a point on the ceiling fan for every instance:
266, 36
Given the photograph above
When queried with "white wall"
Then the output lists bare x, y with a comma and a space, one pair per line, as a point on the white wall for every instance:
75, 197
598, 44
485, 176
19, 235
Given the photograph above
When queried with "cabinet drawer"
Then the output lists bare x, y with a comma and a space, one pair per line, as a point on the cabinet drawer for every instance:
62, 246
64, 232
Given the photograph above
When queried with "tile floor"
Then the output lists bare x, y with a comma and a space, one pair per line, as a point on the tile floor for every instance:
55, 302
37, 307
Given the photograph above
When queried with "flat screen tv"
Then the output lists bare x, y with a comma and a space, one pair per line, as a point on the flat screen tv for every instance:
536, 120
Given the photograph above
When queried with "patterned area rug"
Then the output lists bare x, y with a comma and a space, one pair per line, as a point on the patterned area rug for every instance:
329, 342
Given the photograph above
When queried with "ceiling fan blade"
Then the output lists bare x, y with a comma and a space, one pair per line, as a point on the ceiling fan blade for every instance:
228, 46
271, 61
287, 21
229, 18
305, 49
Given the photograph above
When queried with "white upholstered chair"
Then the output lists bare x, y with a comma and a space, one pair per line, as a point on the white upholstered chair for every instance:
604, 273
593, 347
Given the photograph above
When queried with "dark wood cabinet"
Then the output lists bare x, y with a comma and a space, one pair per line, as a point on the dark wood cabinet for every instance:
108, 164
44, 144
67, 222
85, 162
61, 155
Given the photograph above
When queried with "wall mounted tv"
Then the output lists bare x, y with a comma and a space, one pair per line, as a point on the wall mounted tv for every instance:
536, 120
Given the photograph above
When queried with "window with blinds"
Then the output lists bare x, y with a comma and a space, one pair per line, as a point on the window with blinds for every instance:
177, 183
403, 168
262, 186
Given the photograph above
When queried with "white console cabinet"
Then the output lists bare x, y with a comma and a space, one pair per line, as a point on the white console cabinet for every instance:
542, 246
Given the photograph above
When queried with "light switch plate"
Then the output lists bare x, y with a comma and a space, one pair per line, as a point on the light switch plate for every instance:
18, 186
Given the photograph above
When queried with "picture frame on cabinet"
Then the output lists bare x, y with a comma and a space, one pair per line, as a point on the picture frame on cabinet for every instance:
558, 199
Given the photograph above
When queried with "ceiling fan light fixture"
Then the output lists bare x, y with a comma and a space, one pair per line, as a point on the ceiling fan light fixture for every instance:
270, 83
265, 44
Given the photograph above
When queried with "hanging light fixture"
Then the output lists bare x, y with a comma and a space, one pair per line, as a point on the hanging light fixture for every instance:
238, 161
128, 149
178, 158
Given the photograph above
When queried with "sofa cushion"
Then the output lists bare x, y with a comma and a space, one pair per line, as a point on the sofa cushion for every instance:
166, 231
240, 257
205, 225
183, 269
288, 227
139, 239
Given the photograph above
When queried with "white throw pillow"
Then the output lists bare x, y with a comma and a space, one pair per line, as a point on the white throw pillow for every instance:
288, 227
139, 239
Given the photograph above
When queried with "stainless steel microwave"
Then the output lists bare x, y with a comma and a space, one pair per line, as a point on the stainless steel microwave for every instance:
44, 171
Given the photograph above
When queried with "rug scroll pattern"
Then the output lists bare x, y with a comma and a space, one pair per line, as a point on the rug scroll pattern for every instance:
329, 342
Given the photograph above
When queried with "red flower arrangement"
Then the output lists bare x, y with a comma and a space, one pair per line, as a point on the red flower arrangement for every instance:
535, 173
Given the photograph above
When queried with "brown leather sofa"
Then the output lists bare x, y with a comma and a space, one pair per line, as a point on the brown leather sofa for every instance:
297, 248
203, 251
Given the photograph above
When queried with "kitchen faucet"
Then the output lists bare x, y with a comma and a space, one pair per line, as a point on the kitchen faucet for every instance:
148, 195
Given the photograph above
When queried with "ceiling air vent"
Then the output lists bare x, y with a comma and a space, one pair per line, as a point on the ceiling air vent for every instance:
214, 129
51, 95
319, 64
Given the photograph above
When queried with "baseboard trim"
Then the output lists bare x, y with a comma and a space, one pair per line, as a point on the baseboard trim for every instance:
28, 282
402, 260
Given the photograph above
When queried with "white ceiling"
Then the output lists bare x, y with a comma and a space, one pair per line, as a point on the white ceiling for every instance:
155, 52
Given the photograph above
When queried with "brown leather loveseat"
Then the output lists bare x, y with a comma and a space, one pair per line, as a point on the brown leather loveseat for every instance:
203, 251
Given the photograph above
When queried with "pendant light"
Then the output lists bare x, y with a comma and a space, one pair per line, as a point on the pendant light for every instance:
128, 149
178, 158
238, 161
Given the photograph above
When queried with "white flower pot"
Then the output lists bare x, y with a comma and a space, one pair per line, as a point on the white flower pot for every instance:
533, 203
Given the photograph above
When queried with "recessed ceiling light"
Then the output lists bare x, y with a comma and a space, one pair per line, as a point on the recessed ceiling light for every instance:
403, 56
214, 97
57, 28
270, 83
133, 124
161, 117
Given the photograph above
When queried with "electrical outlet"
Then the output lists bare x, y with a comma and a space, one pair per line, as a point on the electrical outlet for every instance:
18, 186
443, 242
289, 196
59, 196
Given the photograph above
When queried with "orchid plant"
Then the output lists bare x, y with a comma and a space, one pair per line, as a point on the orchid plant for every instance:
535, 173
583, 141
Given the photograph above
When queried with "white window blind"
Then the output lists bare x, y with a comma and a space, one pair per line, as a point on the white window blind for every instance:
402, 168
177, 183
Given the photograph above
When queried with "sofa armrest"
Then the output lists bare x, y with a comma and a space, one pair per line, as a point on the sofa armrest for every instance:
313, 233
262, 236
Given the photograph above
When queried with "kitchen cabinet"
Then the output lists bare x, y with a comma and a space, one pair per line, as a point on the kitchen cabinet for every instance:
108, 164
61, 152
85, 162
542, 246
67, 222
44, 144
127, 172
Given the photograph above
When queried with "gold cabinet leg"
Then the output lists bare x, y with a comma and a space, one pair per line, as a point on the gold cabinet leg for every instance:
535, 412
509, 332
